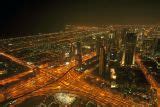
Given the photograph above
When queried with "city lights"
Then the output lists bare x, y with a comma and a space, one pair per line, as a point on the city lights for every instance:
118, 64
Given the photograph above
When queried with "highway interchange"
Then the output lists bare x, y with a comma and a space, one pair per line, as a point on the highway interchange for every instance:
62, 78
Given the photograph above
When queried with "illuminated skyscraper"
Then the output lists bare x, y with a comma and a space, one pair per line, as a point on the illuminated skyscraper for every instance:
148, 46
157, 46
128, 58
102, 61
123, 34
113, 54
78, 54
113, 46
72, 49
98, 45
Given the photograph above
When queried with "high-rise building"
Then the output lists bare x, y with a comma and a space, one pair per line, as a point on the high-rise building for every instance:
113, 45
72, 49
128, 58
98, 45
78, 54
102, 64
123, 34
157, 46
113, 54
148, 46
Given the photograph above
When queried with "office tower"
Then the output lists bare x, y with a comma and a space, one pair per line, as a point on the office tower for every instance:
113, 54
157, 51
111, 37
72, 49
113, 40
78, 54
106, 45
100, 41
98, 45
157, 46
148, 46
123, 34
113, 46
128, 58
102, 61
117, 40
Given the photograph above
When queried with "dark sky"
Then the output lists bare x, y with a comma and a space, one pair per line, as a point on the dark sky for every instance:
33, 16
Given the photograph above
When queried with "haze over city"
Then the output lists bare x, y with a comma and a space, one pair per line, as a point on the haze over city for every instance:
33, 16
80, 53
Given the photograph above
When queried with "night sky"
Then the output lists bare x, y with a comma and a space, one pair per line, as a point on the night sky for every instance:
34, 16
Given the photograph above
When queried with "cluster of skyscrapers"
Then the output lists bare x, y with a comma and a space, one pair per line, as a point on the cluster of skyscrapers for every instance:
119, 47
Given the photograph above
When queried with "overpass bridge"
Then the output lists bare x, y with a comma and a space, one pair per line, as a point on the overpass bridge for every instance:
64, 79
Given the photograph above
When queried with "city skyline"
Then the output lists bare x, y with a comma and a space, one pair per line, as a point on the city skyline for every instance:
114, 65
80, 53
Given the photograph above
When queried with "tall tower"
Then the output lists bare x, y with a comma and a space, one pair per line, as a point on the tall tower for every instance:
157, 46
113, 54
102, 61
148, 46
78, 54
72, 49
128, 58
98, 45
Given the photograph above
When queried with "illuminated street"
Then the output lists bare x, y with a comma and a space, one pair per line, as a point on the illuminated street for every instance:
80, 53
82, 66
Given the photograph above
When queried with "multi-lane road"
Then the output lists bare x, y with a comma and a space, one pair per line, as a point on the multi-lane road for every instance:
17, 77
44, 76
63, 79
148, 76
